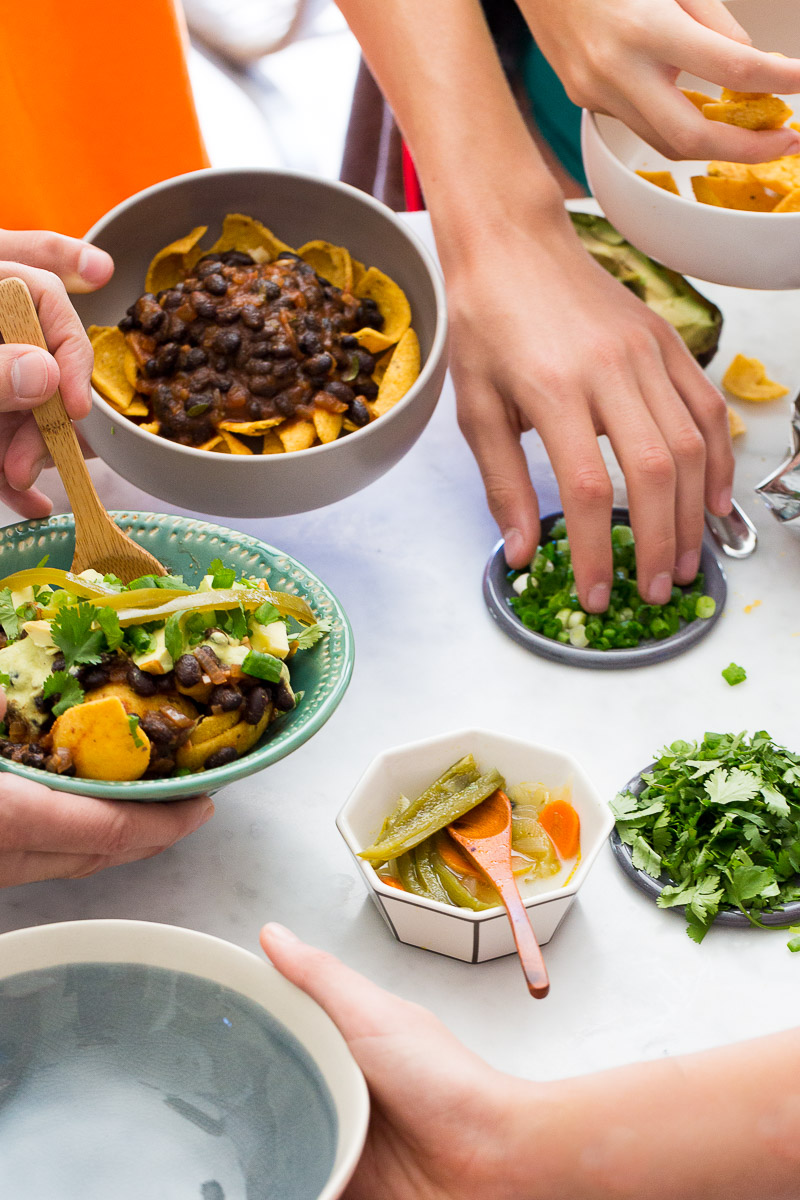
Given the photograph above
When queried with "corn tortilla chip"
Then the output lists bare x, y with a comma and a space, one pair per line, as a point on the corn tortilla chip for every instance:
327, 424
250, 428
241, 736
235, 446
781, 175
214, 443
272, 443
748, 196
381, 365
250, 236
331, 262
137, 408
297, 434
698, 99
746, 378
767, 112
661, 179
729, 170
790, 203
736, 426
213, 725
400, 373
151, 426
174, 262
108, 374
393, 306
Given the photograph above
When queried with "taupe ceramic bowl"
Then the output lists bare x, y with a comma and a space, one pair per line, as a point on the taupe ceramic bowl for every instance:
298, 208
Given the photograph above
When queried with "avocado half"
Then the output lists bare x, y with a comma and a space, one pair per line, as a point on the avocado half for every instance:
697, 320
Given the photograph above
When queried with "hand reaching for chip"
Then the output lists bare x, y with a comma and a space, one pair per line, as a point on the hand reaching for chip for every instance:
46, 834
623, 57
51, 265
576, 355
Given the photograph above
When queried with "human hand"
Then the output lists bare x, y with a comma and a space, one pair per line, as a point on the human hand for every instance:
46, 834
443, 1124
543, 337
623, 57
51, 265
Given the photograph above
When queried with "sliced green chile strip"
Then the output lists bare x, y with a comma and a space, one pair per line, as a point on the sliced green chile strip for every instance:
423, 859
407, 870
435, 808
455, 890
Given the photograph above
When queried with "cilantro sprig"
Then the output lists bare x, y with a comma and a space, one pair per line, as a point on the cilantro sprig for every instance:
66, 687
720, 821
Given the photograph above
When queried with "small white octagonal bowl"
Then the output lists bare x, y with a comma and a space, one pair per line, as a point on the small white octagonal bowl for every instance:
407, 771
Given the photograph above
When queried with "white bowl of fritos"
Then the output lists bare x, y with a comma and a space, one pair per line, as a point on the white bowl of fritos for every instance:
731, 223
282, 341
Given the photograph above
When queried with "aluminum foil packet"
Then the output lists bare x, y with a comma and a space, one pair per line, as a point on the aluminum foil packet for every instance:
781, 490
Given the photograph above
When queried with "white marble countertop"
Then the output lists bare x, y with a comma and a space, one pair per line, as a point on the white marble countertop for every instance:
405, 557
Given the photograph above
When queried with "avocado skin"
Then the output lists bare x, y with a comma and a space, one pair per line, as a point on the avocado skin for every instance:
696, 319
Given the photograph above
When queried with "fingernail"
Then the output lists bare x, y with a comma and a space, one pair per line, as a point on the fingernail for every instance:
29, 375
599, 596
686, 567
93, 265
724, 501
792, 145
513, 545
206, 815
279, 932
660, 589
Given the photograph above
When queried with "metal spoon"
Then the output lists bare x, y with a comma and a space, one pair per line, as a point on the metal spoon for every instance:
735, 534
484, 835
98, 541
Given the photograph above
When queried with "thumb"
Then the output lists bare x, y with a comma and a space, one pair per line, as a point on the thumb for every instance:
28, 376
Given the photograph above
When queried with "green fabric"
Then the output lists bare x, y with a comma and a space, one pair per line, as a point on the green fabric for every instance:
556, 116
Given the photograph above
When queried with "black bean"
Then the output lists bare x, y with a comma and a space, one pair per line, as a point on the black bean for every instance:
358, 412
223, 382
157, 728
341, 391
309, 343
195, 332
216, 284
348, 342
366, 387
177, 328
285, 370
366, 361
257, 366
205, 307
162, 396
196, 357
208, 266
152, 320
198, 404
228, 314
227, 341
236, 258
284, 404
220, 758
171, 299
273, 327
270, 289
289, 254
280, 349
126, 324
141, 681
201, 378
319, 365
220, 364
59, 662
227, 697
151, 368
36, 759
260, 350
188, 671
284, 700
255, 705
167, 358
93, 677
262, 385
252, 317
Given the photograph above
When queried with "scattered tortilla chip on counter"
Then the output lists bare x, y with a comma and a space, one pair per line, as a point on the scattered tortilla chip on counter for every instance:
763, 112
736, 426
746, 378
745, 195
661, 179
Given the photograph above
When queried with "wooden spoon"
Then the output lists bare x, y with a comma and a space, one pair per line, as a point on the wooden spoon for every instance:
98, 541
485, 837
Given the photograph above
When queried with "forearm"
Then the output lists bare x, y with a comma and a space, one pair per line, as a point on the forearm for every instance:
722, 1125
439, 72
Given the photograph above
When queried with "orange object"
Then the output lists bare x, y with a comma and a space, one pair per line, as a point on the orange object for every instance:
562, 825
392, 882
96, 105
452, 857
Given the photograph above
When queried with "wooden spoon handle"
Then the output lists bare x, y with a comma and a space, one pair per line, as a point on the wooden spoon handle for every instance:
19, 323
528, 949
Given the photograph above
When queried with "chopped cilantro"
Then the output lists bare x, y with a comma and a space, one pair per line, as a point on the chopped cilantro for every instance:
5, 680
311, 635
133, 725
170, 581
222, 576
196, 625
62, 684
263, 666
8, 615
721, 821
266, 614
73, 634
108, 621
144, 581
232, 621
734, 674
173, 636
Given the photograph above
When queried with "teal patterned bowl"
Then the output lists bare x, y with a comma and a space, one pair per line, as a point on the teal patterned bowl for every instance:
187, 547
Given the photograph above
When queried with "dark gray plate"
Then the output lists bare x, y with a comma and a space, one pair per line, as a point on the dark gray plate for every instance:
497, 592
652, 887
